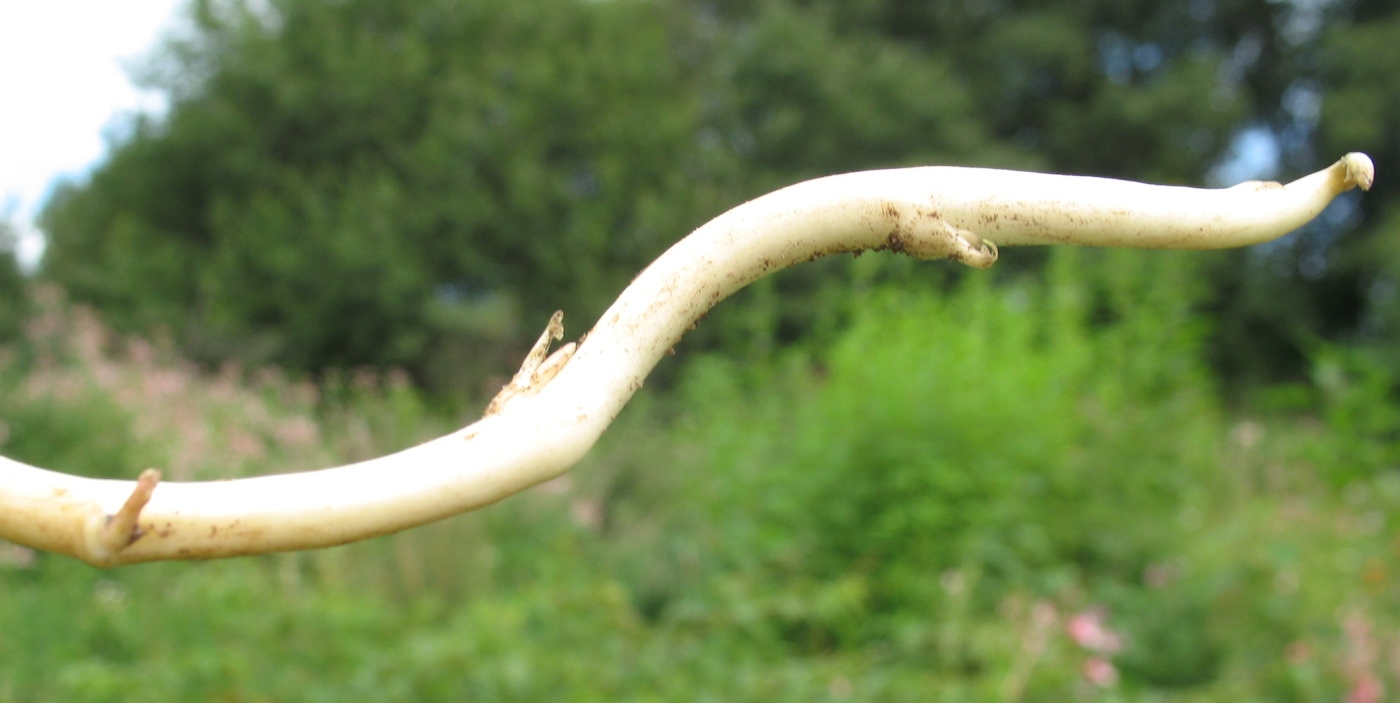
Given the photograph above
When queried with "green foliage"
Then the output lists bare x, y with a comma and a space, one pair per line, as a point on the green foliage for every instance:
374, 182
1362, 423
1132, 89
86, 435
330, 173
1334, 282
420, 183
990, 495
14, 303
331, 176
966, 432
962, 491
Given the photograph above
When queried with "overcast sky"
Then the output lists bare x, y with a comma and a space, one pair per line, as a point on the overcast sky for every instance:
62, 80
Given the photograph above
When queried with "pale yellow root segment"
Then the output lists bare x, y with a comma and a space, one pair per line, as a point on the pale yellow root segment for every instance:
553, 411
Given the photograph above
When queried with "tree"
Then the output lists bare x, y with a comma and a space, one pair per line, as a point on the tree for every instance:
1161, 91
340, 183
413, 183
1360, 104
13, 298
352, 183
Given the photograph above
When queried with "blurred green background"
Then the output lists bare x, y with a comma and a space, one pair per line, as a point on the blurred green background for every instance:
1081, 476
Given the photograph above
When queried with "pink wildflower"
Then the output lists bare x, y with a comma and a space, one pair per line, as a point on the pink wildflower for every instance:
1366, 688
1088, 630
1101, 672
586, 513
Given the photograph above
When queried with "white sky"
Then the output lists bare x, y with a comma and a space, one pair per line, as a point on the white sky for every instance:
61, 83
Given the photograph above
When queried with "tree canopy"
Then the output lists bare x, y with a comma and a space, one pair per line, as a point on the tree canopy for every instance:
394, 182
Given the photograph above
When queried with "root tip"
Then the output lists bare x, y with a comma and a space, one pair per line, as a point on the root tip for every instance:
555, 328
1361, 171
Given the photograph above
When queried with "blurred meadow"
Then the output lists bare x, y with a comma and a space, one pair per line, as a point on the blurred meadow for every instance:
1081, 476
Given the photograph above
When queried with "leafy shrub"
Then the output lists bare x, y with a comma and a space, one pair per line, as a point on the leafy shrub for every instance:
1359, 414
998, 429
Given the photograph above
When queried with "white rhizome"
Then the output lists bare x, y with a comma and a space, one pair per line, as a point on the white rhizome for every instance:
554, 410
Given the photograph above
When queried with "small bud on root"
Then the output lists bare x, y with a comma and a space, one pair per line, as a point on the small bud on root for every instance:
121, 529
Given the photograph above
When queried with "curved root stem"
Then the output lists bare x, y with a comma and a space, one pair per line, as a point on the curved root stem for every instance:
571, 396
